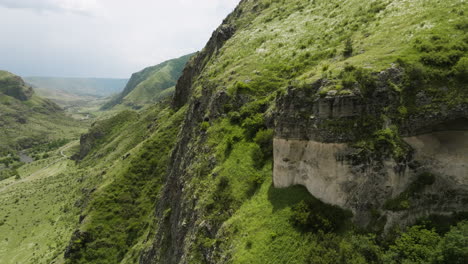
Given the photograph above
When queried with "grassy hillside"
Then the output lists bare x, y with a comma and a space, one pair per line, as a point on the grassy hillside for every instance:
206, 165
150, 85
54, 198
38, 209
29, 120
216, 203
226, 167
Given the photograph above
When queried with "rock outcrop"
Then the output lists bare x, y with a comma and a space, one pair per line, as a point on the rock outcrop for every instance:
314, 147
14, 86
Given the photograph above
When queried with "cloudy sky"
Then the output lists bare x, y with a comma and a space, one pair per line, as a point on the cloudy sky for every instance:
102, 38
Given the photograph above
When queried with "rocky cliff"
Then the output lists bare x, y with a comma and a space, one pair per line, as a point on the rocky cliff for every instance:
382, 135
328, 144
14, 86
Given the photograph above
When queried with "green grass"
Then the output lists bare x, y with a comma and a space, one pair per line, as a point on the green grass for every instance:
120, 213
39, 211
241, 217
150, 85
30, 122
280, 44
295, 40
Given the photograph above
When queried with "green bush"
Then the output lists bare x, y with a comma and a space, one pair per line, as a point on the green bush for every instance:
264, 138
417, 245
351, 76
453, 248
317, 216
204, 126
242, 88
258, 157
439, 59
461, 69
234, 117
348, 49
253, 124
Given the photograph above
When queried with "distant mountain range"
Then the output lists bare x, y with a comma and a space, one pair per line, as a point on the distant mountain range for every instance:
70, 91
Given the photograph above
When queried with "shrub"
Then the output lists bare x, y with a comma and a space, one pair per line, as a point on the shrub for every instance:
348, 49
401, 202
461, 69
253, 124
258, 157
204, 126
351, 76
242, 88
453, 247
441, 59
317, 216
264, 138
417, 245
234, 117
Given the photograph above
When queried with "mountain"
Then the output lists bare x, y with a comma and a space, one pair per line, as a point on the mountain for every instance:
304, 132
27, 122
312, 132
27, 119
150, 85
71, 91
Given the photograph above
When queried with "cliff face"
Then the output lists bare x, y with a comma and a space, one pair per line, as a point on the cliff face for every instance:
176, 231
315, 146
14, 86
360, 130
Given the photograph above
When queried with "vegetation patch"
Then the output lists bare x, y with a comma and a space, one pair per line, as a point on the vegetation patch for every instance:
402, 201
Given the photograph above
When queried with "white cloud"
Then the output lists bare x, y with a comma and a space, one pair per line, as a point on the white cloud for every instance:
86, 7
113, 39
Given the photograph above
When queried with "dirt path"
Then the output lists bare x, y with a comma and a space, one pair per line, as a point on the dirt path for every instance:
38, 171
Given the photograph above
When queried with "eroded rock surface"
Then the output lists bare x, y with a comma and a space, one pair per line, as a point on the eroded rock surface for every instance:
315, 142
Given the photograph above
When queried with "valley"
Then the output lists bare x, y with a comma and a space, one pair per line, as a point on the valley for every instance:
303, 132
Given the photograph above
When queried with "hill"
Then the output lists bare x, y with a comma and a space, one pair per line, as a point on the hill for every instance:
341, 97
304, 132
150, 85
27, 120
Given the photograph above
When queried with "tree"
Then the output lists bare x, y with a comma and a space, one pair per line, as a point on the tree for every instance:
453, 248
417, 245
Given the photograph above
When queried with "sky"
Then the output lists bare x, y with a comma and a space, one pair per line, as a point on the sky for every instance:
102, 38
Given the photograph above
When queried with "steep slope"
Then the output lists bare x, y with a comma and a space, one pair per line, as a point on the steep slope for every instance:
150, 85
26, 119
37, 212
131, 152
365, 76
347, 98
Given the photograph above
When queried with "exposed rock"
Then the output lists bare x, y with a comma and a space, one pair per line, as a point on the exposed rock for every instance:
78, 240
15, 87
314, 137
320, 168
87, 142
198, 62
